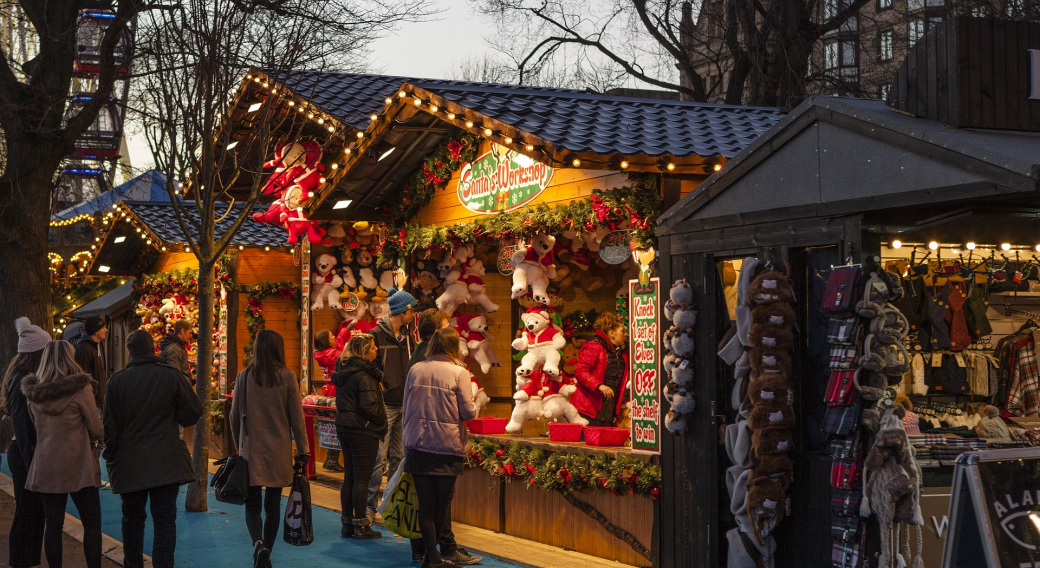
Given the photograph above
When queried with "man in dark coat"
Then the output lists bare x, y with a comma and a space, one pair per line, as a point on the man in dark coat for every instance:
173, 348
90, 358
146, 459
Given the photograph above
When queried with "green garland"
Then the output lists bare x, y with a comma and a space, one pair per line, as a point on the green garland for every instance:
216, 415
255, 305
566, 471
422, 184
639, 203
162, 282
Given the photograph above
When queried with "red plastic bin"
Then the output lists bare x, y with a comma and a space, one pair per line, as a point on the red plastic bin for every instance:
487, 425
564, 432
605, 436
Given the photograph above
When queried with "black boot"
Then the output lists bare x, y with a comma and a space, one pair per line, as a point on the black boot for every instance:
332, 462
261, 556
363, 529
348, 527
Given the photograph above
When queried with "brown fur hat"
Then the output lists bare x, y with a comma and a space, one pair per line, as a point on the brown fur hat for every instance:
769, 360
779, 314
771, 336
767, 388
778, 413
889, 443
766, 504
778, 467
770, 287
771, 440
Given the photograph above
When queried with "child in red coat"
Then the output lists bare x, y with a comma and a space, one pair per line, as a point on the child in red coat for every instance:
325, 353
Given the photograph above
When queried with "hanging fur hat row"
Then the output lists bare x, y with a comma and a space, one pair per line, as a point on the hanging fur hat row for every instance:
678, 357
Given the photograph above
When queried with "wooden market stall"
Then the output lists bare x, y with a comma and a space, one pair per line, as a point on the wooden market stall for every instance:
143, 241
837, 190
448, 173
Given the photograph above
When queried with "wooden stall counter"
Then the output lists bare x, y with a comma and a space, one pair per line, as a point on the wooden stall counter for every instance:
521, 509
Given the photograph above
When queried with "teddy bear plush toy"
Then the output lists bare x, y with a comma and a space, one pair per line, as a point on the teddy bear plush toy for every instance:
353, 323
326, 283
543, 342
293, 162
456, 292
473, 329
472, 273
365, 273
541, 396
534, 266
425, 282
299, 226
527, 406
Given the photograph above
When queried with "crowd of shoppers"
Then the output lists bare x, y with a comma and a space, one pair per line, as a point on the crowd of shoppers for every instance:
397, 402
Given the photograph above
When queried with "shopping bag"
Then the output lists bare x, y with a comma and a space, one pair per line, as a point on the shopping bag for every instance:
298, 526
401, 513
231, 482
388, 491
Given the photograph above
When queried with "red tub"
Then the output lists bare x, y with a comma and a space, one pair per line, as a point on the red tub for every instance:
487, 425
605, 436
564, 432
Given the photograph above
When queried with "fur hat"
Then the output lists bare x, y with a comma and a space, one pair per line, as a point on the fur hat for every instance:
771, 440
768, 388
770, 287
771, 336
778, 413
769, 360
779, 314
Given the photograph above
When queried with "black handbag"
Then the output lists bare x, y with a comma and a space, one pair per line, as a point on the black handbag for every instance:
231, 482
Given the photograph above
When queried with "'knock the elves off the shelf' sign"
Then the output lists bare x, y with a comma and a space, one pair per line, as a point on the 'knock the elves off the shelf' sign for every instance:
644, 359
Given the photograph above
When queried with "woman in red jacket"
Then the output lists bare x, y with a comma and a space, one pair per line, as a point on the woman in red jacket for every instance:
602, 372
325, 353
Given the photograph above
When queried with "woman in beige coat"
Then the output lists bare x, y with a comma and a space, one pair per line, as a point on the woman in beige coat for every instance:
266, 417
61, 402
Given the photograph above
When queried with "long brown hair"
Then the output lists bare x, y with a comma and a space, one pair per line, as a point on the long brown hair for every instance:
58, 361
268, 358
357, 346
21, 364
445, 343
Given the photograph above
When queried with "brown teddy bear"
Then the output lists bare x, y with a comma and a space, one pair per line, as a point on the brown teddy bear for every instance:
770, 287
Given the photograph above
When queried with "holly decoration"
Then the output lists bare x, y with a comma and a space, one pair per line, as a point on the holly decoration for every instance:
433, 174
639, 203
255, 304
566, 471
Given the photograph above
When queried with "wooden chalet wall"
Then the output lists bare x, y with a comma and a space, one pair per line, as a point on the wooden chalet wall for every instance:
256, 266
170, 261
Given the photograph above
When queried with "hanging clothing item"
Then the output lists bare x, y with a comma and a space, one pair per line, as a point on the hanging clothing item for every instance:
911, 303
978, 373
934, 334
955, 298
975, 312
1023, 390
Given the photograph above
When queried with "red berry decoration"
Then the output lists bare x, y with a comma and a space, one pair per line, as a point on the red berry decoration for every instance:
655, 493
500, 453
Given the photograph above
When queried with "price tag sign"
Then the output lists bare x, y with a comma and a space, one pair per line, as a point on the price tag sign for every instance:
327, 434
644, 316
505, 266
614, 249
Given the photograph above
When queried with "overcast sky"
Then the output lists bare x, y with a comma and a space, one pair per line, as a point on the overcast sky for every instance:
428, 50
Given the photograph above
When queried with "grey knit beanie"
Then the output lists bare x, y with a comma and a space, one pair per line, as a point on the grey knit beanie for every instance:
30, 337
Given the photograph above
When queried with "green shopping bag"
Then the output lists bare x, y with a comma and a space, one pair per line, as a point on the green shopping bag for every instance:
402, 512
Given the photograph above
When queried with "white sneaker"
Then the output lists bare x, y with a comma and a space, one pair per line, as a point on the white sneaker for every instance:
106, 485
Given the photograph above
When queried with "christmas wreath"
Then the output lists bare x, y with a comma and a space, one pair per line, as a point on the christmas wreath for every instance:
256, 295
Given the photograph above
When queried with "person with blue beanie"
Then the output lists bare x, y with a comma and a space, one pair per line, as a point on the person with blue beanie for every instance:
394, 342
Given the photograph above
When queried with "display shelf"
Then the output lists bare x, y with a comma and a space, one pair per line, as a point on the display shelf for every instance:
545, 443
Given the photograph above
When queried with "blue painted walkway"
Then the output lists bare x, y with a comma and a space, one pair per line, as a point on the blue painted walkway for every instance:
218, 539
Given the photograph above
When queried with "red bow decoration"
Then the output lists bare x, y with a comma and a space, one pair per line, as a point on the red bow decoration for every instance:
431, 176
455, 149
510, 469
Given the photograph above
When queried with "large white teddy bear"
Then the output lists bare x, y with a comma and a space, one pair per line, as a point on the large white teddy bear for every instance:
542, 396
543, 342
326, 283
527, 407
534, 266
456, 292
474, 330
473, 272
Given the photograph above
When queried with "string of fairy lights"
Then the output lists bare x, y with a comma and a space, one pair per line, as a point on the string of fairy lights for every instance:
452, 113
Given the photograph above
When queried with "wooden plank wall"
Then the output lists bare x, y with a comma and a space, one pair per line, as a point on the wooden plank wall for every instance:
254, 267
170, 261
545, 516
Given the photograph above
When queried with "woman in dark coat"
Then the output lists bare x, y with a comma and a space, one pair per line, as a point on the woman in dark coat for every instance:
360, 425
266, 418
26, 539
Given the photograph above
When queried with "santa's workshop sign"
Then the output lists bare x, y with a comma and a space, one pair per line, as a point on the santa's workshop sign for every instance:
501, 180
644, 313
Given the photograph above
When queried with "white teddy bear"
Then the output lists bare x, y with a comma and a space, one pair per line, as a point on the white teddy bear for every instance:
326, 283
473, 271
474, 330
543, 342
541, 396
527, 406
456, 292
534, 266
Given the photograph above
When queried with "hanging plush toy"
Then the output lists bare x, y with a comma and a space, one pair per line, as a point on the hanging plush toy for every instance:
326, 283
425, 282
534, 266
472, 273
293, 163
474, 330
298, 226
353, 324
456, 292
543, 342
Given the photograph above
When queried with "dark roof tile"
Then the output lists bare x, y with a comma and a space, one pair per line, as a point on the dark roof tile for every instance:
162, 220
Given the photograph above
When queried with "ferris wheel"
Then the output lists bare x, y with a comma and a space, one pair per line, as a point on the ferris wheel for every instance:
90, 168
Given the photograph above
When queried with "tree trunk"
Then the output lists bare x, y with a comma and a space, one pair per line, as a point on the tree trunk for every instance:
195, 501
24, 274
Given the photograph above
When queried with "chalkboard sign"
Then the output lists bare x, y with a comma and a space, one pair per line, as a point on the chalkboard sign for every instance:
995, 513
